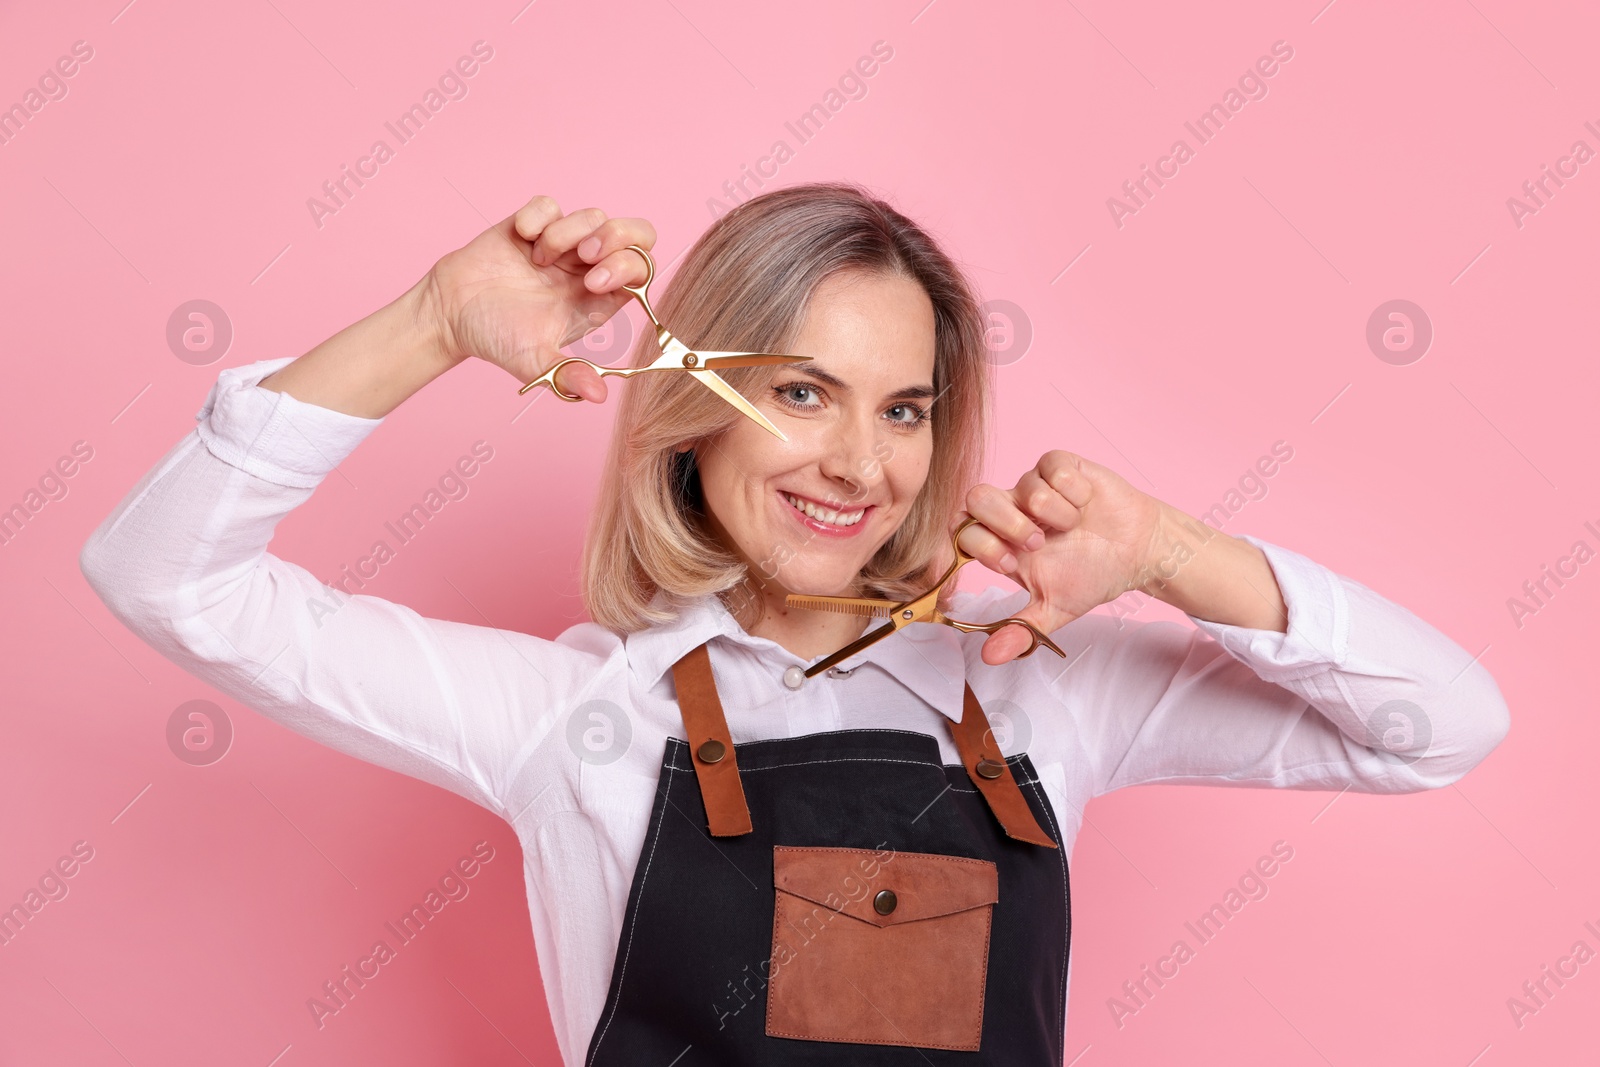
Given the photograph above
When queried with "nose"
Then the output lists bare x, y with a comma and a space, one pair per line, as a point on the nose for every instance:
851, 464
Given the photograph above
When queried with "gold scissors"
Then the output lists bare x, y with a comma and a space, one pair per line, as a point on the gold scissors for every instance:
675, 355
924, 608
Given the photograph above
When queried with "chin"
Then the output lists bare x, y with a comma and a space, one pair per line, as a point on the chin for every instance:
816, 583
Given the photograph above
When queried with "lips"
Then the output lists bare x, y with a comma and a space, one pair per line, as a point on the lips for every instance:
824, 520
832, 516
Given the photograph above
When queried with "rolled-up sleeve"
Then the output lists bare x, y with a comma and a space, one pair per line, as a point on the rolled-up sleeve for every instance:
1358, 693
182, 562
272, 435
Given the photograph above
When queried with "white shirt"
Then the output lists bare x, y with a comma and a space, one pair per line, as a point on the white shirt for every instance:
502, 718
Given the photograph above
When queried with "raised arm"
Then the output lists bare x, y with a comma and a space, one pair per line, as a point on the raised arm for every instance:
1296, 677
182, 560
515, 296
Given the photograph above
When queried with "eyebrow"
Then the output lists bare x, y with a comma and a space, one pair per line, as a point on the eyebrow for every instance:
909, 392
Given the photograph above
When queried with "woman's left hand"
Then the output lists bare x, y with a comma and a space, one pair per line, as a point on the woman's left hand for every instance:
1094, 535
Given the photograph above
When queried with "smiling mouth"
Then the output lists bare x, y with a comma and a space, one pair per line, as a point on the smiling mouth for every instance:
825, 516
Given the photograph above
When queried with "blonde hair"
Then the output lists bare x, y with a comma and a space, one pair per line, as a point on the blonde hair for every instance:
745, 286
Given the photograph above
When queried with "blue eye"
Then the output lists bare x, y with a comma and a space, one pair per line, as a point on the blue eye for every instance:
903, 416
785, 393
918, 417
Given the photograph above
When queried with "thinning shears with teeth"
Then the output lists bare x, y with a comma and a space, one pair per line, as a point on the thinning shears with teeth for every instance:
924, 608
675, 355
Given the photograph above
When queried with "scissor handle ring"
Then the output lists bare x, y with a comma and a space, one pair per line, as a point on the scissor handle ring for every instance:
648, 262
549, 378
1033, 634
961, 553
1036, 638
641, 291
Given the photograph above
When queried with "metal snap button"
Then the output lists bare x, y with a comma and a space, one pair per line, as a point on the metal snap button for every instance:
988, 768
884, 902
840, 672
711, 751
794, 677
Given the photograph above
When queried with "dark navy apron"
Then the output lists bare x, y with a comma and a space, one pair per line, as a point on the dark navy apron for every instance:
842, 896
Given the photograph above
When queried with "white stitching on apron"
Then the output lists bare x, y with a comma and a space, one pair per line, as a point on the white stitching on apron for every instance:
1061, 996
642, 880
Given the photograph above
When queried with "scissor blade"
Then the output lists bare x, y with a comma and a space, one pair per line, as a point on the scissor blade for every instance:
879, 609
851, 649
727, 392
713, 360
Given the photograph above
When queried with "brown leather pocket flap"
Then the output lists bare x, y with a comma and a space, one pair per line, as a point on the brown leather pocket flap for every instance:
848, 881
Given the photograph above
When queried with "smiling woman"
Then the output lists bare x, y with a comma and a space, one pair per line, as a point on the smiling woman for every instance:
887, 422
698, 798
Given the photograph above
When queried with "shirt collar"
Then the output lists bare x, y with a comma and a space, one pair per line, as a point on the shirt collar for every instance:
929, 661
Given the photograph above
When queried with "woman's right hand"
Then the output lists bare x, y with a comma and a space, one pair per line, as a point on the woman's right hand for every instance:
530, 285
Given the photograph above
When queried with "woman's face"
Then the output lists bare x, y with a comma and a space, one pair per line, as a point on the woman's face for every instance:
859, 439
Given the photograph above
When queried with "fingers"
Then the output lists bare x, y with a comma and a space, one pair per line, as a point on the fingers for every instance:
614, 262
1014, 641
580, 378
1004, 529
999, 510
983, 545
531, 219
586, 239
554, 234
1041, 500
560, 236
583, 237
1064, 473
1051, 496
1005, 644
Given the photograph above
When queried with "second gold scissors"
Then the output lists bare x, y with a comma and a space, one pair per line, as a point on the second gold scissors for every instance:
924, 608
675, 355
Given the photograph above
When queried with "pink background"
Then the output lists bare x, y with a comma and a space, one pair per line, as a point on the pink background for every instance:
1228, 313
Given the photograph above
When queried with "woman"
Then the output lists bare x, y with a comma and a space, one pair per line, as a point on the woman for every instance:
727, 861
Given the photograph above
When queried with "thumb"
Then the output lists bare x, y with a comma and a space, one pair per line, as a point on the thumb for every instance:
581, 379
1010, 642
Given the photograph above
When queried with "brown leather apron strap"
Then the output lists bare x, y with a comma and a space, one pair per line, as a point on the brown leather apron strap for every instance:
710, 745
727, 812
992, 774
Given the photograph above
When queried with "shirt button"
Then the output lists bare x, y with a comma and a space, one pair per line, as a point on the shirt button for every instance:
794, 677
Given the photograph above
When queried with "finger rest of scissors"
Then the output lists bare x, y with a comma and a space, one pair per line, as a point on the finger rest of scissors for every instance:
549, 378
1037, 636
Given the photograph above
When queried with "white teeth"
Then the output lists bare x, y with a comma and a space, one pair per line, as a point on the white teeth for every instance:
832, 518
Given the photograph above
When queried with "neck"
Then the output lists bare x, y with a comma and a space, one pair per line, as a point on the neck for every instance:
758, 605
761, 609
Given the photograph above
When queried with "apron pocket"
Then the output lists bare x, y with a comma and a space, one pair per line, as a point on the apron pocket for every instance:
879, 947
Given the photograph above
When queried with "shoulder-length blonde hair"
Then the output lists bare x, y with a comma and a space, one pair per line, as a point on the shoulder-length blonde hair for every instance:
745, 286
